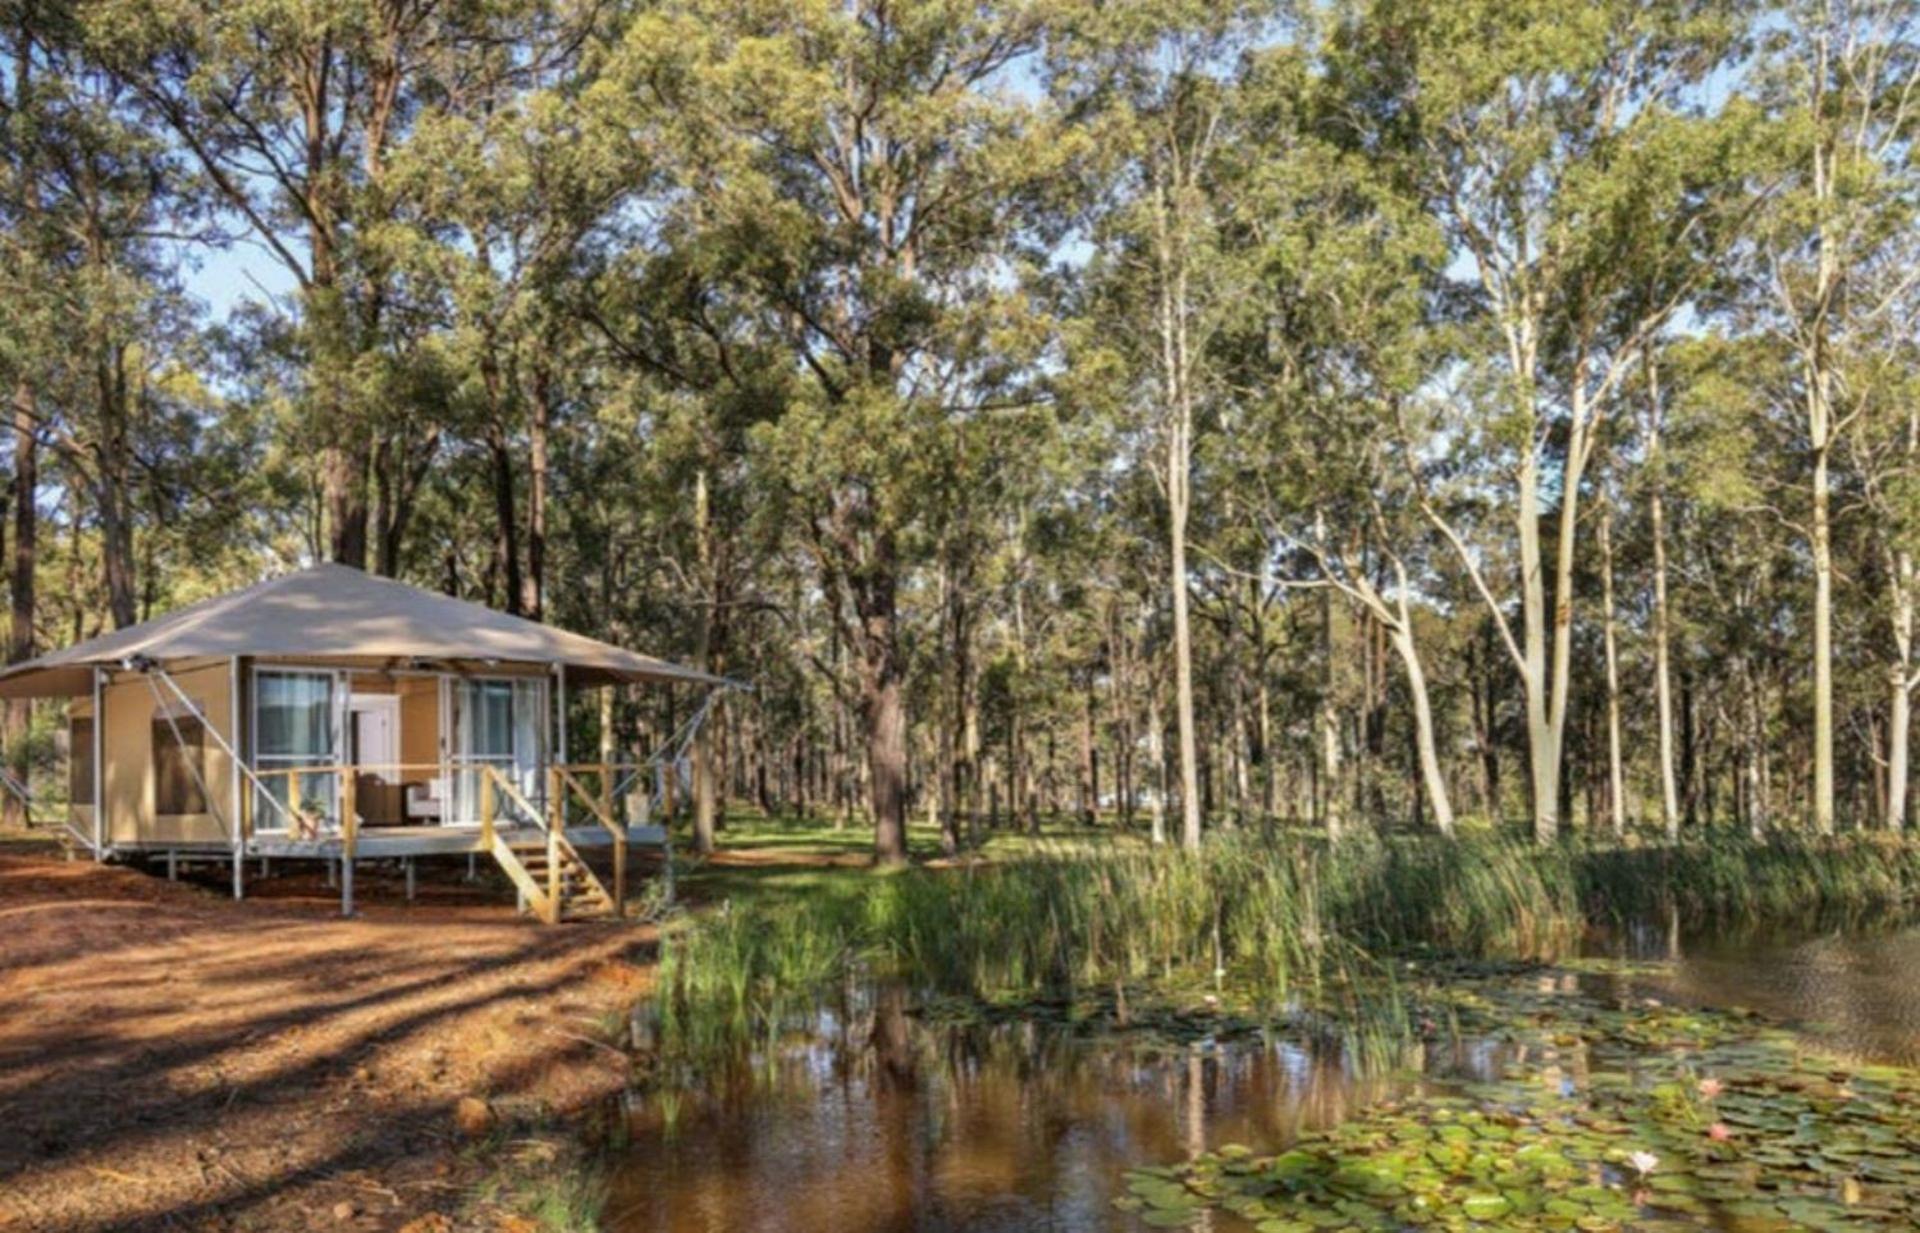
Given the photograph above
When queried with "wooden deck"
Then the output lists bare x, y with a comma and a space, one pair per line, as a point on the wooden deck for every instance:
537, 843
382, 842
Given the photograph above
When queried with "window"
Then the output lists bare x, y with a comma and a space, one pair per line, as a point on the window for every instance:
293, 727
80, 760
498, 723
179, 765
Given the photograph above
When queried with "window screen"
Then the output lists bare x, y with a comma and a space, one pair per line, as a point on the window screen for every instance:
179, 765
80, 760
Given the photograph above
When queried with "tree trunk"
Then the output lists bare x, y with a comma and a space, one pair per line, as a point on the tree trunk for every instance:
1616, 771
1400, 633
1176, 368
885, 715
703, 777
344, 488
1157, 755
1431, 774
533, 603
1662, 659
1329, 724
1543, 761
26, 534
1900, 583
1089, 755
1823, 814
1755, 753
506, 533
116, 527
1183, 644
1899, 726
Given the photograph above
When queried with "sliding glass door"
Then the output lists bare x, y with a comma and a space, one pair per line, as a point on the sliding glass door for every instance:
498, 723
294, 725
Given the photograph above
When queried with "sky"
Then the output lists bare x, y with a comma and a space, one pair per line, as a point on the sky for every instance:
224, 278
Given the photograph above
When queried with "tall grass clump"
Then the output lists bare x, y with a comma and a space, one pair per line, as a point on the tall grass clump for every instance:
1737, 881
737, 974
1280, 919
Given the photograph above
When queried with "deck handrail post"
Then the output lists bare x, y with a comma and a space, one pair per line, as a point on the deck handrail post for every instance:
486, 808
556, 820
351, 833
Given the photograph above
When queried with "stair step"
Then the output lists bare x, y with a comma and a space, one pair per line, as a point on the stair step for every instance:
562, 877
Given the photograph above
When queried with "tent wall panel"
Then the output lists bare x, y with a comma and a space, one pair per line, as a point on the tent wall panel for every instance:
134, 724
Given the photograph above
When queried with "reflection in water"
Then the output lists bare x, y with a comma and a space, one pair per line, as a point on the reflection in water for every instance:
877, 1122
1853, 993
868, 1120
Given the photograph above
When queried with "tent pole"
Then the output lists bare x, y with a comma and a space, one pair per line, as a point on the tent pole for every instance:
99, 795
560, 674
233, 762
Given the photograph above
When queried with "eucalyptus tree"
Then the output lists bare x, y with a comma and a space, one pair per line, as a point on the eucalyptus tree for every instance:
1326, 348
28, 265
1834, 261
289, 113
693, 377
1579, 188
507, 183
1882, 448
100, 345
869, 174
1156, 83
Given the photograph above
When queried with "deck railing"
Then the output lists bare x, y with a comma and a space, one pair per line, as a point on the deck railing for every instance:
322, 801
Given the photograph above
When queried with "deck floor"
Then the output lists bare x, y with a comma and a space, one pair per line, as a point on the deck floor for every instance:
379, 842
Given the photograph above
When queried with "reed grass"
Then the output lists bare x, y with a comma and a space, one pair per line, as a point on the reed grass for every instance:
1286, 921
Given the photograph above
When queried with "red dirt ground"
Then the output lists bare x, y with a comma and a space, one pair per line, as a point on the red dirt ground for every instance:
171, 1059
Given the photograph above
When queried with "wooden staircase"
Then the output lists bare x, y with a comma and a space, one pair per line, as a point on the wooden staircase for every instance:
555, 881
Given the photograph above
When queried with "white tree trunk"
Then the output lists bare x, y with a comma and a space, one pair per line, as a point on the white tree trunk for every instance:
1616, 772
1329, 724
1823, 815
1900, 699
1431, 775
1157, 754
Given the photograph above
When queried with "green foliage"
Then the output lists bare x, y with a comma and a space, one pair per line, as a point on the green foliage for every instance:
1278, 919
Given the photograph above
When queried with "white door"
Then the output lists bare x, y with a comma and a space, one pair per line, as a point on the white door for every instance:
374, 743
376, 733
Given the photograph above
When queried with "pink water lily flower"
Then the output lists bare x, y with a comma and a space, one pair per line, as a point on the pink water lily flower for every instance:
1643, 1161
1709, 1088
1719, 1133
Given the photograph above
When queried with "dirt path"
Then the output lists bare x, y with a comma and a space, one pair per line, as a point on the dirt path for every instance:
170, 1059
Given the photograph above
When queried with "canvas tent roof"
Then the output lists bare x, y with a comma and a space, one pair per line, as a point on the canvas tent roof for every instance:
338, 612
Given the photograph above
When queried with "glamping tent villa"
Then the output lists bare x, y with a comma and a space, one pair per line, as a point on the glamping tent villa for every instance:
329, 714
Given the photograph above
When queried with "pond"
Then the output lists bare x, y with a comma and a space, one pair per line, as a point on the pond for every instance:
1857, 994
874, 1120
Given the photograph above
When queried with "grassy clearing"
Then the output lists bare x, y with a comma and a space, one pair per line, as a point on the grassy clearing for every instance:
773, 859
1281, 922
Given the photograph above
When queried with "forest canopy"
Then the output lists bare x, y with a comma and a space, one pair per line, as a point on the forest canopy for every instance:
1375, 414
